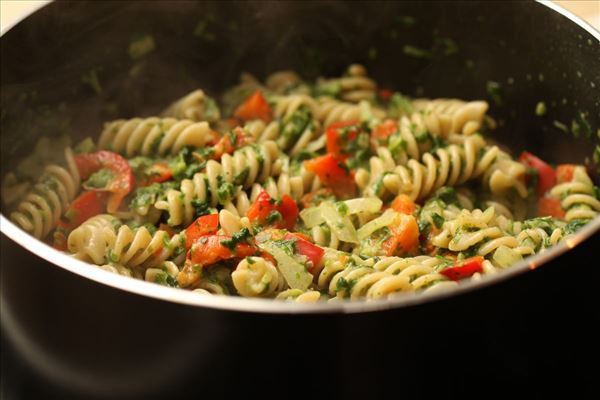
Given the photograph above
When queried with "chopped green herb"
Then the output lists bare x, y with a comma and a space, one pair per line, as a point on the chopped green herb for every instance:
399, 105
99, 179
201, 208
274, 216
574, 225
438, 220
495, 91
141, 46
91, 79
237, 238
416, 52
540, 109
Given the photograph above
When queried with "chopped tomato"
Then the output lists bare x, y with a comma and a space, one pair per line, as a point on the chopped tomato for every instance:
226, 145
564, 172
84, 207
210, 249
404, 238
279, 214
385, 129
156, 173
546, 174
333, 173
254, 107
464, 269
122, 180
385, 93
403, 204
204, 225
548, 206
304, 247
339, 134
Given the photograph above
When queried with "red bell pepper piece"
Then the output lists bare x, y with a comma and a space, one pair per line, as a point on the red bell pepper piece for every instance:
264, 211
157, 173
204, 225
385, 94
122, 180
404, 238
385, 129
546, 174
548, 206
84, 207
564, 172
304, 247
403, 204
254, 107
465, 269
210, 249
339, 134
333, 173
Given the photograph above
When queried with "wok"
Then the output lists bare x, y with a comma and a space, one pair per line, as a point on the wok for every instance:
78, 331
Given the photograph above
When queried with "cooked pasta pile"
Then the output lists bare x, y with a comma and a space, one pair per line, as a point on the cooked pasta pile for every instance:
300, 191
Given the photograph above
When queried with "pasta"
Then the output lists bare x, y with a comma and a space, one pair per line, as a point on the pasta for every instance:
300, 191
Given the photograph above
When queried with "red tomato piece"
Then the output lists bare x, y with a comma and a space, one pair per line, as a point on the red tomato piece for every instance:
264, 209
304, 247
548, 206
333, 173
204, 225
404, 238
385, 93
156, 173
122, 181
209, 249
403, 204
254, 107
465, 269
564, 172
84, 207
546, 174
339, 134
385, 129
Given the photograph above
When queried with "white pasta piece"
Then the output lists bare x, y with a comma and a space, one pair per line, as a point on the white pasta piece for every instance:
257, 277
42, 206
153, 136
195, 106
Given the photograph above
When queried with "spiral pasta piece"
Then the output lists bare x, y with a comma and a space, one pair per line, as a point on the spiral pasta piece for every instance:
40, 209
280, 82
331, 110
195, 106
164, 274
577, 196
257, 277
477, 229
355, 86
101, 240
91, 240
286, 106
449, 166
299, 296
445, 116
153, 136
222, 183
